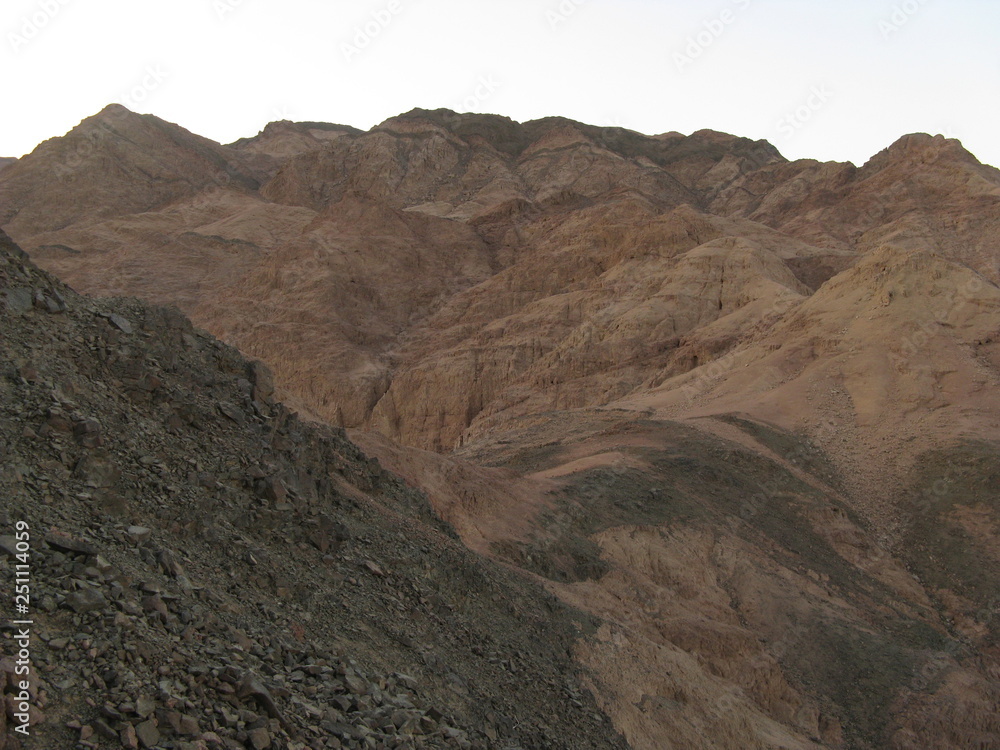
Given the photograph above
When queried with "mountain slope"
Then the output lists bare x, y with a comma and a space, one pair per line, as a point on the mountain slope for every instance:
209, 571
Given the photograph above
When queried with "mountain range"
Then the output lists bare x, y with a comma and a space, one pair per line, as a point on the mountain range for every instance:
737, 413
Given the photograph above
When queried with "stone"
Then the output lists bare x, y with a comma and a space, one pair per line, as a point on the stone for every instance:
148, 734
18, 301
120, 323
139, 534
67, 543
144, 707
86, 600
8, 546
97, 470
260, 739
232, 412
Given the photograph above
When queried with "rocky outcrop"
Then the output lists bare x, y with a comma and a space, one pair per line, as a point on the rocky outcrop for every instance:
209, 571
283, 140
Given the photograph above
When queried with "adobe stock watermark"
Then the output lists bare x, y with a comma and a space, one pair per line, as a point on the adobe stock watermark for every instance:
152, 78
485, 88
942, 661
798, 118
952, 301
224, 7
900, 16
20, 709
34, 23
365, 34
563, 12
282, 113
614, 121
713, 29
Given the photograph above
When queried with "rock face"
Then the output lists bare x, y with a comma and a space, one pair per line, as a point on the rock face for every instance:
446, 273
328, 252
740, 411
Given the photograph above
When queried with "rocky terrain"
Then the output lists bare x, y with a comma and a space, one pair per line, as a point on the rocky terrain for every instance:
725, 426
207, 571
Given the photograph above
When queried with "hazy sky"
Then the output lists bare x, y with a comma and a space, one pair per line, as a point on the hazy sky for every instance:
827, 79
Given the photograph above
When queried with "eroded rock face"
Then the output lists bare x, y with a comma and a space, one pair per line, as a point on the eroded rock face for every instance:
326, 251
444, 274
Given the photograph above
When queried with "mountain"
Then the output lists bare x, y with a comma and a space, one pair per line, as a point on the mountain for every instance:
113, 163
738, 413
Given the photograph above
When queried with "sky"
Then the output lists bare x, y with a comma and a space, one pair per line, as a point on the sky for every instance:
824, 79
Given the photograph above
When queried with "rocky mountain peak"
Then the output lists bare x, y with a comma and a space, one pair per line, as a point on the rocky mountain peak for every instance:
920, 150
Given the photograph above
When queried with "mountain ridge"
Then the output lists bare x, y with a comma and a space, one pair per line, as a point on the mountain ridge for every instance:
739, 410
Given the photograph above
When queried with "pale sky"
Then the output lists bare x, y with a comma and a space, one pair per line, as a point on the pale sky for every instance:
825, 79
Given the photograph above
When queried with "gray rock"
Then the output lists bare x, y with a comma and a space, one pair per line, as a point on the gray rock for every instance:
8, 546
18, 301
260, 739
86, 600
148, 734
97, 470
66, 543
232, 412
139, 534
144, 706
120, 323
